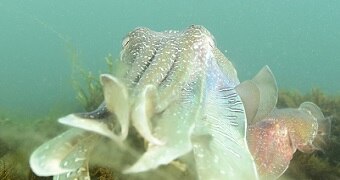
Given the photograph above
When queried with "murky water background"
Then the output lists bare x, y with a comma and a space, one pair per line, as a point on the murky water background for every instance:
299, 40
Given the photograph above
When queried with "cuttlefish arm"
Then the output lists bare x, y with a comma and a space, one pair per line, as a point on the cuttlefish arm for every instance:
101, 121
116, 106
172, 127
82, 173
64, 154
143, 111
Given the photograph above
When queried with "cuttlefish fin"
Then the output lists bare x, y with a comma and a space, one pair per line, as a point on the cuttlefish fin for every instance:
82, 173
142, 112
250, 96
219, 138
63, 154
321, 139
99, 121
259, 95
116, 99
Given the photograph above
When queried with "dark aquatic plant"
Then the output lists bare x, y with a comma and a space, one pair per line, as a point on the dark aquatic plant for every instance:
88, 89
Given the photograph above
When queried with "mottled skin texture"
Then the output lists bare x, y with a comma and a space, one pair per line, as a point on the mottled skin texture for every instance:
178, 90
195, 84
273, 140
169, 60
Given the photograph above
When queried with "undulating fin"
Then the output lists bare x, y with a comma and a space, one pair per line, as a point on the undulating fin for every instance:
116, 99
173, 127
63, 154
143, 111
226, 67
266, 83
321, 139
99, 121
81, 173
219, 137
250, 95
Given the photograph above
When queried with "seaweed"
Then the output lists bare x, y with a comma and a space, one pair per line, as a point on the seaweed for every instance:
6, 171
88, 89
87, 85
102, 173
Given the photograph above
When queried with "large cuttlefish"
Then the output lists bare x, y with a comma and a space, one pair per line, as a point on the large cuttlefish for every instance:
178, 90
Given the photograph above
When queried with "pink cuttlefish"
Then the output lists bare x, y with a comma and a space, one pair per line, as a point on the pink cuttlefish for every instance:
274, 135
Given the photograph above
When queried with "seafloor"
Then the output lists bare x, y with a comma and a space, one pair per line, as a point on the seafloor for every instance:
18, 138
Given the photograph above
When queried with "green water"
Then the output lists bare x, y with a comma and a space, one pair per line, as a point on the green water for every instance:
299, 40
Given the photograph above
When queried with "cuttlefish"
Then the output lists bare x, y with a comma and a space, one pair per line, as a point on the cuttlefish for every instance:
274, 134
182, 95
178, 90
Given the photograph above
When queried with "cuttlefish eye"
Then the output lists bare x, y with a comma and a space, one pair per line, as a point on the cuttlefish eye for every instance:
125, 42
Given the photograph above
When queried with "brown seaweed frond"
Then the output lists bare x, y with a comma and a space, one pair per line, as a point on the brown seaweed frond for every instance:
102, 173
87, 86
5, 170
11, 167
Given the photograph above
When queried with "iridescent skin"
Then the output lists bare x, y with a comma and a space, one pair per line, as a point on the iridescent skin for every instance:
178, 90
195, 82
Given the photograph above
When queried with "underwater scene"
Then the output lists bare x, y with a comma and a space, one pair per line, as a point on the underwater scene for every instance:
160, 89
